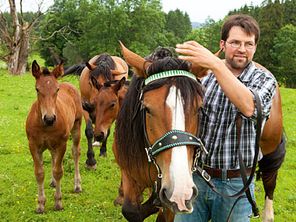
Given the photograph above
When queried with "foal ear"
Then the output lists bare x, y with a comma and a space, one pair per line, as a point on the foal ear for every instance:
58, 70
36, 69
95, 83
89, 66
118, 85
137, 62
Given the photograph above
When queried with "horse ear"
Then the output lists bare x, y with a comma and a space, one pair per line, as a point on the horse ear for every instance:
199, 71
95, 83
36, 69
137, 62
118, 85
89, 66
58, 70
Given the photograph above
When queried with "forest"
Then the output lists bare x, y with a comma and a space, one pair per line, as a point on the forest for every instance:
76, 30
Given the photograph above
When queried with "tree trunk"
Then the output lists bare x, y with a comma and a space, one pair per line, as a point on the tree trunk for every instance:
17, 61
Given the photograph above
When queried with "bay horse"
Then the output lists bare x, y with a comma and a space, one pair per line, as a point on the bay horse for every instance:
272, 144
162, 112
101, 68
105, 103
55, 115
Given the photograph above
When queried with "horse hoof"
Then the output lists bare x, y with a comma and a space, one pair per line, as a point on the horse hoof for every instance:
52, 184
58, 207
78, 190
103, 154
91, 167
39, 210
118, 201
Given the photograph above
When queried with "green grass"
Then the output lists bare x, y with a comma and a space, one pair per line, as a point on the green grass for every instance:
18, 189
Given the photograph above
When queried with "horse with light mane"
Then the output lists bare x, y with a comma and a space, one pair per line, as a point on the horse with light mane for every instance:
55, 115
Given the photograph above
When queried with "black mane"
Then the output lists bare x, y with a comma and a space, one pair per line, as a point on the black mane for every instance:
104, 65
129, 130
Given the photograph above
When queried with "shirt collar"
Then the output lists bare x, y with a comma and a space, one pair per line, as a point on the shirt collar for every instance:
246, 75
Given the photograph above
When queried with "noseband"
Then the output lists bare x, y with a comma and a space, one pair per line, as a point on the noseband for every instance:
172, 138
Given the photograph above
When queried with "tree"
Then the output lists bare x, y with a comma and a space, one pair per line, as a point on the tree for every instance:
15, 37
284, 53
179, 24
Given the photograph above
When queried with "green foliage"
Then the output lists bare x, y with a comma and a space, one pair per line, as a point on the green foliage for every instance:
179, 24
284, 53
18, 188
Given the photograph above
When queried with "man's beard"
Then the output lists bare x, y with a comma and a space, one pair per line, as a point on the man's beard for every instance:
238, 63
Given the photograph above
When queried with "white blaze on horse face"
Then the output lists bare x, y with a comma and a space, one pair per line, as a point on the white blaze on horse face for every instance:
180, 174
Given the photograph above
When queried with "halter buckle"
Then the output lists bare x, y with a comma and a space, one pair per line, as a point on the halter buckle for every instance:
205, 175
149, 154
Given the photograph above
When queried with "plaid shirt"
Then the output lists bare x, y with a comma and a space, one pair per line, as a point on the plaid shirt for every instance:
217, 119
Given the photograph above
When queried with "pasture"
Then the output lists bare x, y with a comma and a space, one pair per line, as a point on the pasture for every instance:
18, 188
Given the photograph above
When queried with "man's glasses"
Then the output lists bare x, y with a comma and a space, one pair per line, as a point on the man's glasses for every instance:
238, 44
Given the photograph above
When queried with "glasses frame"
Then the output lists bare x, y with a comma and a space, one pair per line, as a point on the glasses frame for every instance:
238, 44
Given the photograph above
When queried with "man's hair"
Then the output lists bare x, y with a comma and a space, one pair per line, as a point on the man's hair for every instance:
246, 22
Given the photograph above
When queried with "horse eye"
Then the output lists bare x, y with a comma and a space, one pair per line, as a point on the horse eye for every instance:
37, 90
112, 104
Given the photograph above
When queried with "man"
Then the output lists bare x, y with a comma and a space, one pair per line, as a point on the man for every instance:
229, 90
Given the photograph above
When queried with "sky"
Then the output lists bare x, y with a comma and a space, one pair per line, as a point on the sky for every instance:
197, 10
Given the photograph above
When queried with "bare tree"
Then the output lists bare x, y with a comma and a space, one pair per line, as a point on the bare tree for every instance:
15, 37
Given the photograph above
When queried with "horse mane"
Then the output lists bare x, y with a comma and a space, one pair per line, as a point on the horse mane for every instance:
129, 127
45, 71
104, 65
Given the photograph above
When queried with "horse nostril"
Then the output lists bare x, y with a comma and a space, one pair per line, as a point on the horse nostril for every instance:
49, 120
100, 137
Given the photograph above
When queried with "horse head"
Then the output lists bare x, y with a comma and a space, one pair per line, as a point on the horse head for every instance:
170, 98
47, 88
104, 106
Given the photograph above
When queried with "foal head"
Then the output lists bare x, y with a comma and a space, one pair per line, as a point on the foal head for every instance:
47, 88
104, 106
170, 105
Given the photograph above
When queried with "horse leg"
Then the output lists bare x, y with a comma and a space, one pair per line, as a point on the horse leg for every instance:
119, 199
76, 154
91, 163
39, 175
103, 150
58, 155
52, 182
269, 183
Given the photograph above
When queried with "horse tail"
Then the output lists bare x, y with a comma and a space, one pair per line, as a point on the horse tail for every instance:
74, 70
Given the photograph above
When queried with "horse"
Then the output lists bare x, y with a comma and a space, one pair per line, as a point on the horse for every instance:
55, 115
103, 68
162, 112
104, 105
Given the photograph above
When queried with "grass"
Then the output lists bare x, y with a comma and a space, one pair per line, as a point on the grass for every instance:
18, 189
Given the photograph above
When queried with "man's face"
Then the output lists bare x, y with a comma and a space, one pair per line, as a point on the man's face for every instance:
239, 48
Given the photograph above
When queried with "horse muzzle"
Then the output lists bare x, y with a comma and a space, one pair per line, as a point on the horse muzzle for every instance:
49, 120
178, 204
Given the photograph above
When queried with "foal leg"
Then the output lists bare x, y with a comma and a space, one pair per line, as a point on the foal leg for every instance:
58, 155
39, 175
91, 163
76, 155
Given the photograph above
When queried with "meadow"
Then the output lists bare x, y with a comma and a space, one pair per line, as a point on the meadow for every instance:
18, 189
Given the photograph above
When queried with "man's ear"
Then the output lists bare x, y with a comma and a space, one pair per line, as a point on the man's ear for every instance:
222, 45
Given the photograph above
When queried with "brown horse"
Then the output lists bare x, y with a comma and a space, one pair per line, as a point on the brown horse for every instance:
163, 112
102, 68
104, 105
55, 114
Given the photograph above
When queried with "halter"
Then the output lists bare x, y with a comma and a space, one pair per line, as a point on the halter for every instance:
172, 138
